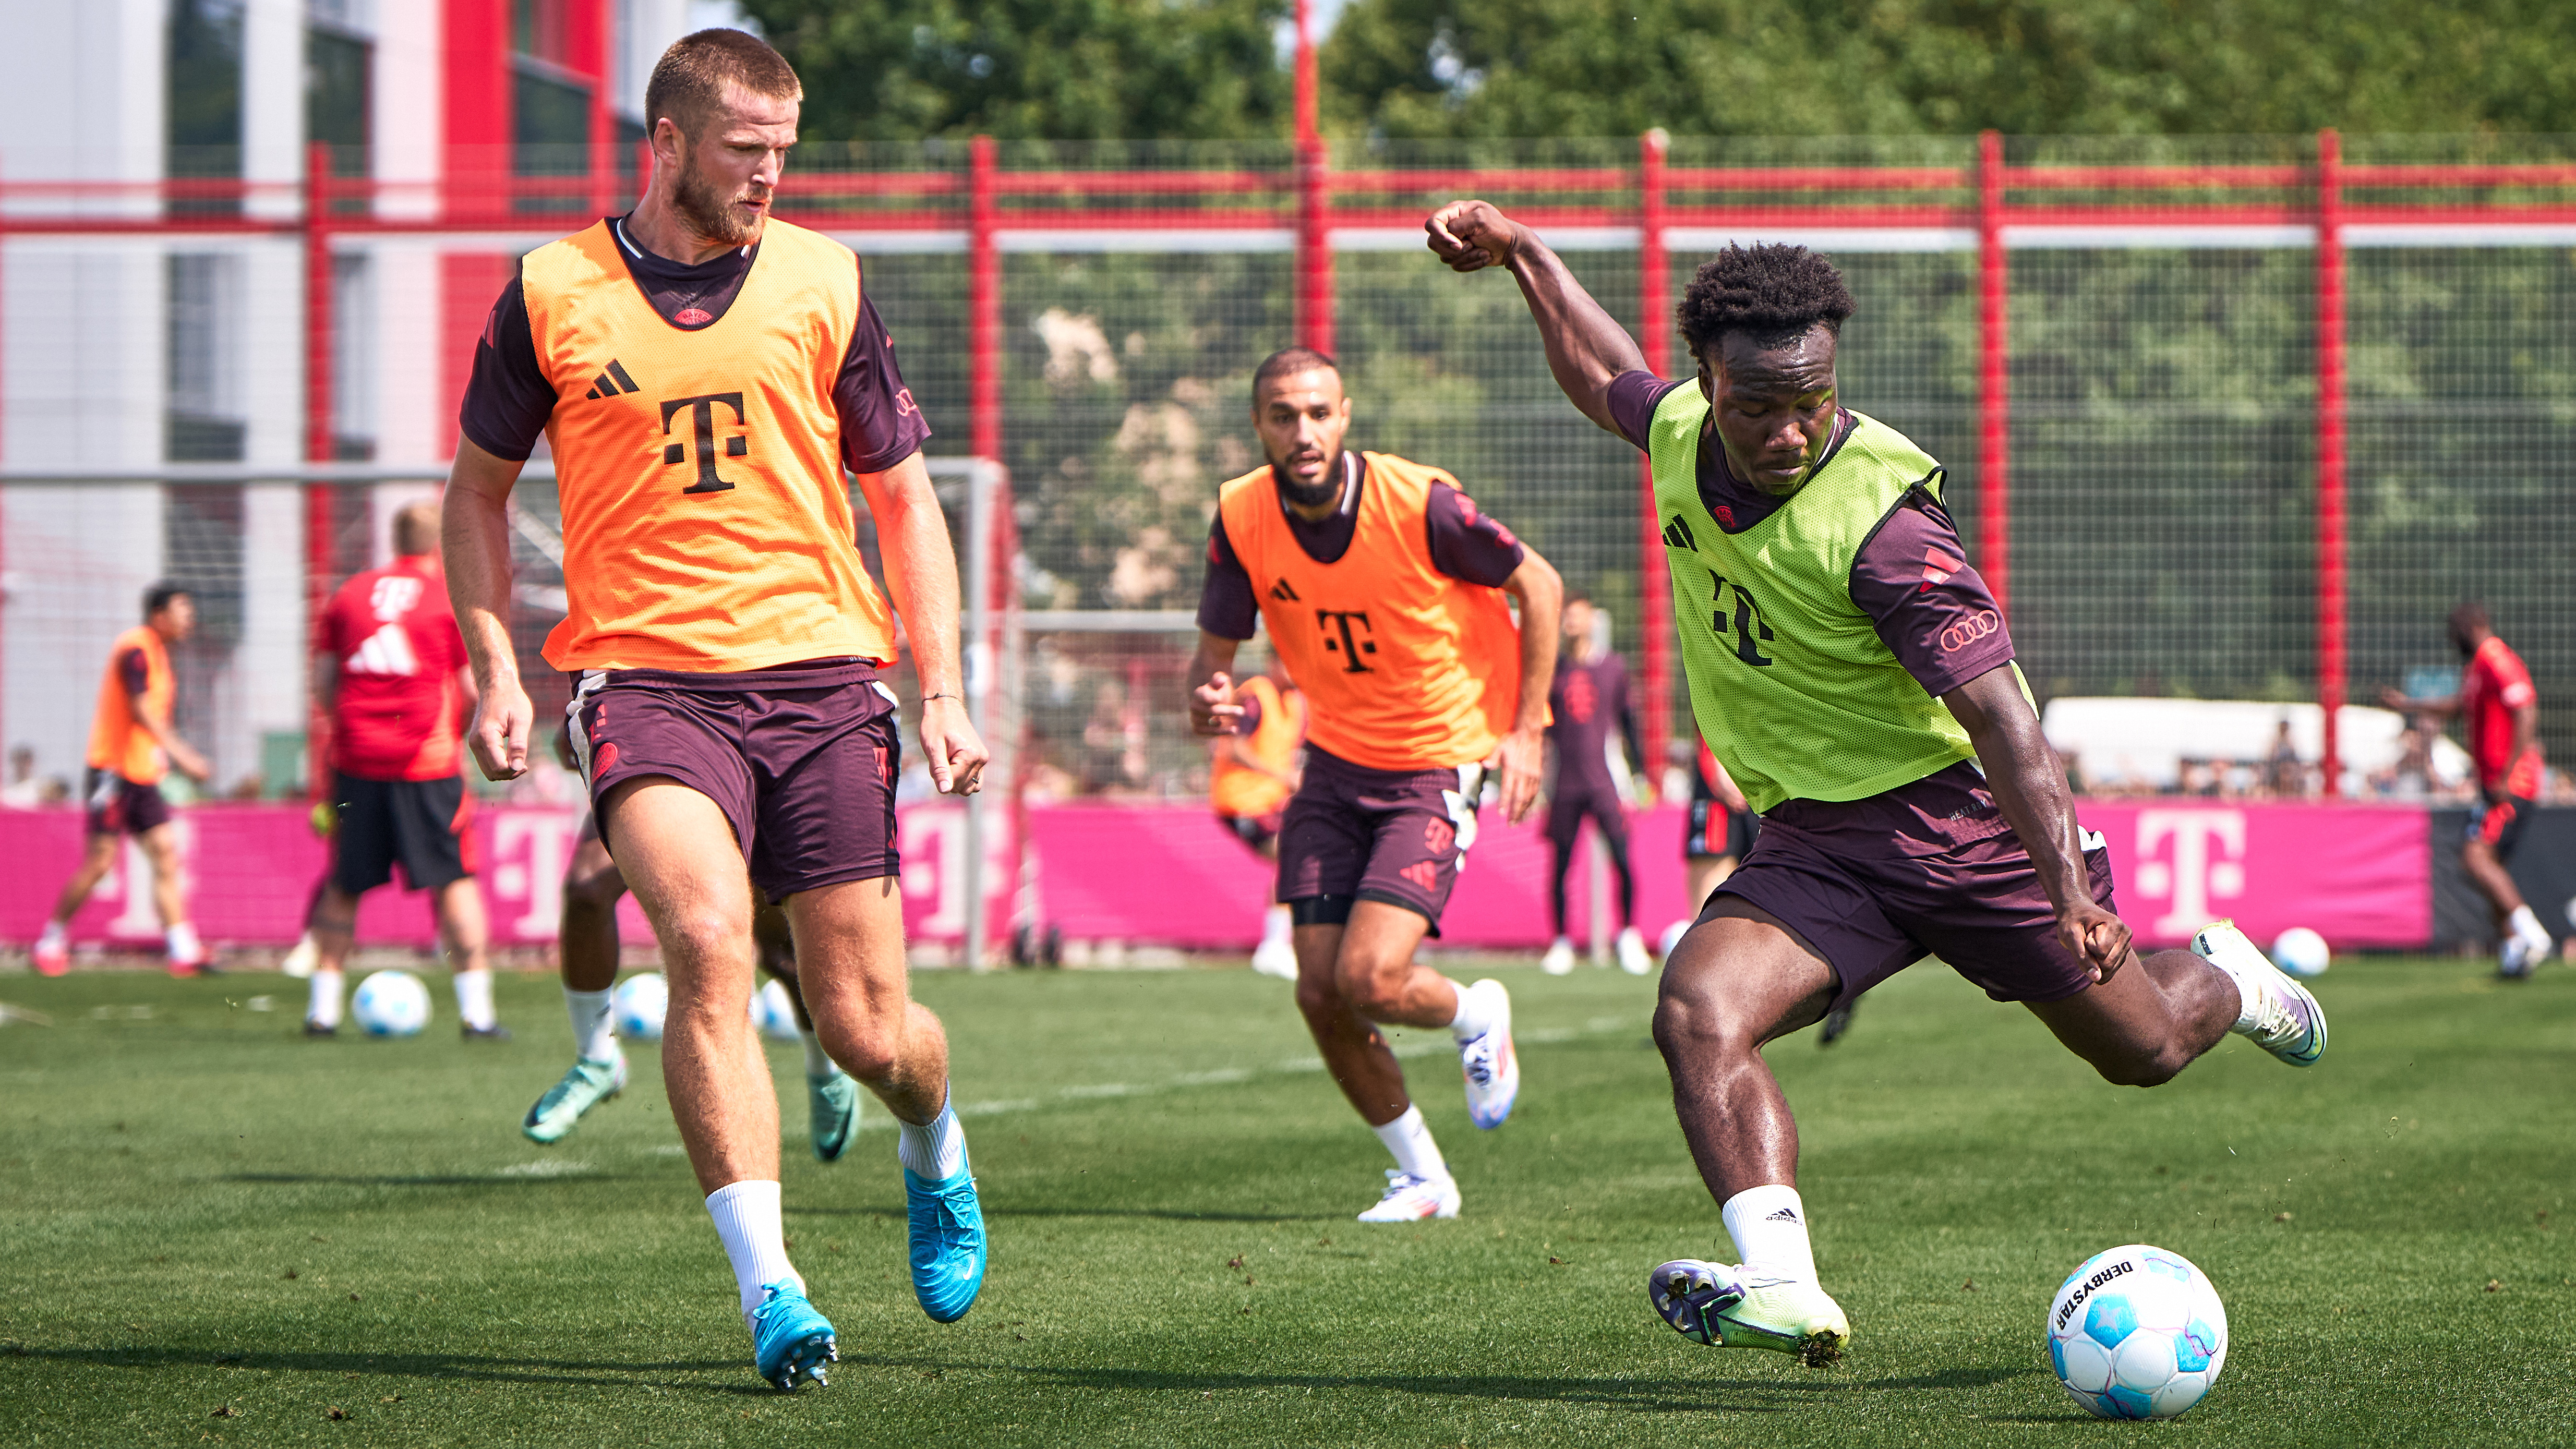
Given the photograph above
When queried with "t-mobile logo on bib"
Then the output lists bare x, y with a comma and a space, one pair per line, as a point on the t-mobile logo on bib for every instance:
2205, 863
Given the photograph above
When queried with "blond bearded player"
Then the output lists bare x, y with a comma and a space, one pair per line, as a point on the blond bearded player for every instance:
704, 373
1382, 588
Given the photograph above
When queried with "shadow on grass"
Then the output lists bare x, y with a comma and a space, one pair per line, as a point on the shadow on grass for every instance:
552, 1372
896, 1210
1656, 1395
486, 1179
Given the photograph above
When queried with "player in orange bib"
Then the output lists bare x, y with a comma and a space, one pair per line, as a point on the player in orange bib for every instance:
132, 744
1383, 591
705, 373
1251, 774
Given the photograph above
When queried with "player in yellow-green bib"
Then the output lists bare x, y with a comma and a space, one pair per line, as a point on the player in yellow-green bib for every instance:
1856, 678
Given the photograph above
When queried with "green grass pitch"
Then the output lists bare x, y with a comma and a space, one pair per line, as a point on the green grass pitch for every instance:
202, 1212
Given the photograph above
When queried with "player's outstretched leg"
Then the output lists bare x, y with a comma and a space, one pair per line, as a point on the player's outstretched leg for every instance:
850, 968
698, 897
587, 943
1737, 980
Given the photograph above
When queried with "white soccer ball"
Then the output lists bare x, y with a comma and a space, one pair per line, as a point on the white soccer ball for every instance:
638, 1006
2137, 1333
1673, 935
2301, 952
773, 1012
391, 1003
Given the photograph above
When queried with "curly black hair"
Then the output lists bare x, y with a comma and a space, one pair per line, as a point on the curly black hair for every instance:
1772, 291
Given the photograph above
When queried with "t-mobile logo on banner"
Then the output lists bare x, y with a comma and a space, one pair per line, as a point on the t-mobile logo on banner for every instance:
2196, 874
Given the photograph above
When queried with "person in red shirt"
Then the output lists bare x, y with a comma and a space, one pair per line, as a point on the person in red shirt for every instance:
390, 668
2500, 713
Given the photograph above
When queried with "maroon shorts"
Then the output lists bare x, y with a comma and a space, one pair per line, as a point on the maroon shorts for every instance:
118, 805
802, 760
1974, 900
1351, 833
1255, 831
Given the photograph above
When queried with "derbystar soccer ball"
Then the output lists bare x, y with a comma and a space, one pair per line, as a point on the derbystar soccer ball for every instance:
773, 1013
391, 1003
2137, 1333
638, 1006
2301, 952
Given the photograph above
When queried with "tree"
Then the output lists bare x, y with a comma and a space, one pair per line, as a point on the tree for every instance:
1888, 67
1066, 70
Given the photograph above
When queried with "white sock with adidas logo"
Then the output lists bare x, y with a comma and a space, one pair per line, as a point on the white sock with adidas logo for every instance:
1769, 1226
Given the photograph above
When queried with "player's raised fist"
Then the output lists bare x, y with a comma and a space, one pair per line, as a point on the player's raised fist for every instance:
1472, 235
1212, 707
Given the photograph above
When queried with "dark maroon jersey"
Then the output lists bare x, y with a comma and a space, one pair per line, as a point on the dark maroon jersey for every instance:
1912, 578
1468, 546
508, 400
1587, 702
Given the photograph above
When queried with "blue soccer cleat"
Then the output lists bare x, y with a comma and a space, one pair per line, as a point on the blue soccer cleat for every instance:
947, 1243
831, 1115
789, 1339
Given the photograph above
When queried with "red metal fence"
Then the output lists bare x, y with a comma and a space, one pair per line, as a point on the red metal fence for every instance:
1643, 205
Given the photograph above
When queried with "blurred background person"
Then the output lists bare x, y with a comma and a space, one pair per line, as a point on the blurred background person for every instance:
1251, 774
132, 745
389, 671
24, 791
1589, 696
2499, 711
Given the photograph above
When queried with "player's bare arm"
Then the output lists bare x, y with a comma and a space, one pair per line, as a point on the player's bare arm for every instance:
156, 723
921, 574
2445, 707
1586, 346
1212, 707
2030, 788
474, 528
1521, 758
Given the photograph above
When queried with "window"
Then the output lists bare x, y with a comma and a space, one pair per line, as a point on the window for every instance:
204, 403
204, 102
338, 76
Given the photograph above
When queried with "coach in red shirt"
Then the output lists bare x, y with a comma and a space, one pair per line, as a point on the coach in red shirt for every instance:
2499, 711
389, 666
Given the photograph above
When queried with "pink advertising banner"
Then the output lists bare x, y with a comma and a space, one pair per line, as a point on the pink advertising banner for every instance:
251, 870
1173, 876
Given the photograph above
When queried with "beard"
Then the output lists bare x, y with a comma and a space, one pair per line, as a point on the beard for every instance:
707, 214
1322, 493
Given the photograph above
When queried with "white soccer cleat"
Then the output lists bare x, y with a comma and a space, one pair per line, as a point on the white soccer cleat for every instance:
1411, 1197
1275, 958
299, 962
1632, 953
1727, 1307
2522, 953
1559, 960
2288, 1021
1492, 1068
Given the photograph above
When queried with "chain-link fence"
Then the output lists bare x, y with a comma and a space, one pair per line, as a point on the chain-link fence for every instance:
2164, 360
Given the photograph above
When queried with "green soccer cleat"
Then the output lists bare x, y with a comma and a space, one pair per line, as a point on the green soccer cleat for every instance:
587, 1085
832, 1114
1725, 1308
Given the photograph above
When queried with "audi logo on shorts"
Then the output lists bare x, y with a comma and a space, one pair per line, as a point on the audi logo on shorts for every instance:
1969, 630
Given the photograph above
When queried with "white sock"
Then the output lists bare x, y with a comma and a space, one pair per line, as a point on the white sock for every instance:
755, 1239
322, 1007
1769, 1226
818, 1062
2524, 923
474, 998
1409, 1138
53, 936
182, 939
593, 1034
1472, 1020
936, 1150
1276, 924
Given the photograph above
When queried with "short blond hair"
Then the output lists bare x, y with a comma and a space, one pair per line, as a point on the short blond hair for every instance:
416, 529
689, 80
